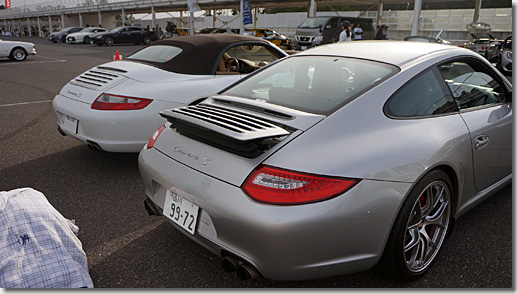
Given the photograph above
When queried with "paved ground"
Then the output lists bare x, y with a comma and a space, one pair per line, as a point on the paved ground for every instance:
127, 248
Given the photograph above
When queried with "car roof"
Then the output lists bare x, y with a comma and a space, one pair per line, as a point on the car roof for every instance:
200, 52
391, 52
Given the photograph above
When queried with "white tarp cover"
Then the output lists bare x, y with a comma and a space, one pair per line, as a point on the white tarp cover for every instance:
38, 246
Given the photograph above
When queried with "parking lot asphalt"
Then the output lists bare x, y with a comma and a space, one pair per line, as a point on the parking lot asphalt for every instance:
126, 248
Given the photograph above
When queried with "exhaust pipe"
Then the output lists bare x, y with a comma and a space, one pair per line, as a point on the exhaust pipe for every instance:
61, 131
229, 264
93, 146
246, 272
150, 207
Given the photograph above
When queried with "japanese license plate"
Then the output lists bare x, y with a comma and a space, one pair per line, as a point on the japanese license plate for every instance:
304, 47
181, 211
70, 123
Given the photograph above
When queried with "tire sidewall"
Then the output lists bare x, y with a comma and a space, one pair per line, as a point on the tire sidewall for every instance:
393, 255
13, 54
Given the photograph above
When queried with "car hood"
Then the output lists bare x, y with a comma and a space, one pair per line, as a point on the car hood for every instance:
17, 43
227, 137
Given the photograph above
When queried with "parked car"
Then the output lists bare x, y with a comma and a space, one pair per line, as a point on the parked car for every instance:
320, 30
119, 35
335, 159
16, 50
270, 35
482, 38
62, 35
427, 39
114, 106
502, 55
84, 36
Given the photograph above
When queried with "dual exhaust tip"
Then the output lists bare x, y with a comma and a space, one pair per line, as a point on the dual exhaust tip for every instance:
243, 270
91, 145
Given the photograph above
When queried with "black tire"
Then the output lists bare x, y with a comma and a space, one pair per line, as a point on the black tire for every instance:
18, 54
427, 213
108, 41
64, 39
147, 40
86, 40
54, 41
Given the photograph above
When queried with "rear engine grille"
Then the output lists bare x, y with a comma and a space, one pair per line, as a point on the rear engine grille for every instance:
96, 79
227, 129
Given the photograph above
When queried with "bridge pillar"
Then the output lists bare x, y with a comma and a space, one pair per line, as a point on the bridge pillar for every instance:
63, 21
39, 27
415, 21
99, 15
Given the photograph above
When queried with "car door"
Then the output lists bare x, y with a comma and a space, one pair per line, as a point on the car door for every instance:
3, 50
123, 36
484, 102
137, 34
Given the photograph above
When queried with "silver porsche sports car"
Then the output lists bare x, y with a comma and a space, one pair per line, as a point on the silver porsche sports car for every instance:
335, 160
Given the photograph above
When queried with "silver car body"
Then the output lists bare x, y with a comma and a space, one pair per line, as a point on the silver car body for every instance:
79, 37
346, 233
502, 55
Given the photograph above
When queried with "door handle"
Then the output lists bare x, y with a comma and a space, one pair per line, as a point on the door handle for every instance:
481, 141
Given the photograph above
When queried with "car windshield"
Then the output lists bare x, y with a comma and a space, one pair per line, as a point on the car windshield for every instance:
315, 84
157, 53
314, 22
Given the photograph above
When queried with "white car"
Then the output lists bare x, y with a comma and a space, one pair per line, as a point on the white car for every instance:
115, 106
84, 36
16, 50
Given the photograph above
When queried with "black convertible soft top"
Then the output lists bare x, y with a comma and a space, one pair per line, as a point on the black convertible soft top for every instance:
201, 53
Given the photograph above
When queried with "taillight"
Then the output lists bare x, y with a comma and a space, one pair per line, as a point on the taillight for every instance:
157, 133
116, 102
278, 186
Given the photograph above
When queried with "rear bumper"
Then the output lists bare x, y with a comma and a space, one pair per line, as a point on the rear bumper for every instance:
342, 235
113, 131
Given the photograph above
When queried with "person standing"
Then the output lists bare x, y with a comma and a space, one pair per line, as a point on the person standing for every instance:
385, 33
379, 33
345, 35
357, 32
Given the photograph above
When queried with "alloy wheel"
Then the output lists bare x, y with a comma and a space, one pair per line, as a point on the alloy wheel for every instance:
427, 226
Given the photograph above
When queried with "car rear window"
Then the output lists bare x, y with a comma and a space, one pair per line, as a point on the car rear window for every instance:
315, 84
157, 53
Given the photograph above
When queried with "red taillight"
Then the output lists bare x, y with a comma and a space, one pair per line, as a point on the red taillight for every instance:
116, 102
278, 186
157, 133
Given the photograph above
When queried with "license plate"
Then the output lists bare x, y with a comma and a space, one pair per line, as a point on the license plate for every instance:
304, 47
70, 123
181, 211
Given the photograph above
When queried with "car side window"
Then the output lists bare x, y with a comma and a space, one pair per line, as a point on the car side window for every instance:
471, 86
422, 96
